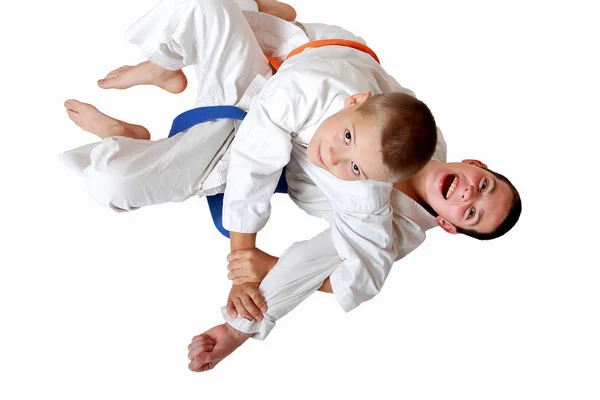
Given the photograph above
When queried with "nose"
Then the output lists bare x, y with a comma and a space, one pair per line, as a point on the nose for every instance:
334, 156
468, 193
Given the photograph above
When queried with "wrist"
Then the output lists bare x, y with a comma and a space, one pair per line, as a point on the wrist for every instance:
242, 241
272, 263
237, 334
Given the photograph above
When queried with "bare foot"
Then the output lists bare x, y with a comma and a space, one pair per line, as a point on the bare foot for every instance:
146, 73
281, 10
211, 347
88, 118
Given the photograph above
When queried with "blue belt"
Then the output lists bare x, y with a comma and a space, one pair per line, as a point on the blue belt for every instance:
196, 116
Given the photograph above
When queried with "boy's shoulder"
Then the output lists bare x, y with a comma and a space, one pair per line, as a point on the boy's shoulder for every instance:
356, 197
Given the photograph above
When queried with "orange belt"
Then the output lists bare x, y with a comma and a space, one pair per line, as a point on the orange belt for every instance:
275, 63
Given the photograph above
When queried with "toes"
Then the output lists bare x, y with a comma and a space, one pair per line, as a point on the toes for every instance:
72, 114
113, 74
106, 82
70, 104
73, 105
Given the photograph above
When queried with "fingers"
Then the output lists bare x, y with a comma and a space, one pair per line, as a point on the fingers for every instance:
201, 363
236, 255
259, 300
234, 264
200, 353
252, 308
200, 346
246, 301
201, 338
231, 309
236, 273
241, 272
240, 281
241, 309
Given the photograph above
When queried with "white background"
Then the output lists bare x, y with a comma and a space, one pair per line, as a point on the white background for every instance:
100, 305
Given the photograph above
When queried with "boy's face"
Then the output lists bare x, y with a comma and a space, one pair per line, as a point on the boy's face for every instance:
348, 144
466, 195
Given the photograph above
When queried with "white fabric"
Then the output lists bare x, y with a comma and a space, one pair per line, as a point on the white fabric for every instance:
281, 121
286, 114
126, 174
302, 268
300, 271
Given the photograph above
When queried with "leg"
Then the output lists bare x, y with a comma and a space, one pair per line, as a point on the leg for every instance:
119, 171
211, 35
125, 173
148, 73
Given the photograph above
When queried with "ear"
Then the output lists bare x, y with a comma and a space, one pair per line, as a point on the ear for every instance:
476, 163
445, 225
357, 98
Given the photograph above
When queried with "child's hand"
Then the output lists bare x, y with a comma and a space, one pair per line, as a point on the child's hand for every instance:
208, 349
250, 265
246, 300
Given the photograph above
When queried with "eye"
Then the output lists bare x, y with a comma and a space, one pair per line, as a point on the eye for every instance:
355, 169
484, 185
347, 136
471, 213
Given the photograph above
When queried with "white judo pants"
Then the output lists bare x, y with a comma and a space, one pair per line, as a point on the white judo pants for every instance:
214, 37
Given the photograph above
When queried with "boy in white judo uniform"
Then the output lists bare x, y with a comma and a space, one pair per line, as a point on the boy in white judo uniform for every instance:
313, 109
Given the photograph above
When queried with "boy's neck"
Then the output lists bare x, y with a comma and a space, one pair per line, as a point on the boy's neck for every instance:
414, 187
406, 187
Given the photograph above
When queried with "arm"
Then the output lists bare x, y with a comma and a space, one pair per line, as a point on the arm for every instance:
259, 151
362, 233
310, 266
364, 240
242, 241
301, 271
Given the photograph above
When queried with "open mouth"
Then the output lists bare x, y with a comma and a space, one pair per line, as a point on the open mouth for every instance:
449, 185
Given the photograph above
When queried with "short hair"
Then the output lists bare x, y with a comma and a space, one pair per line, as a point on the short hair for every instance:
514, 213
408, 131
